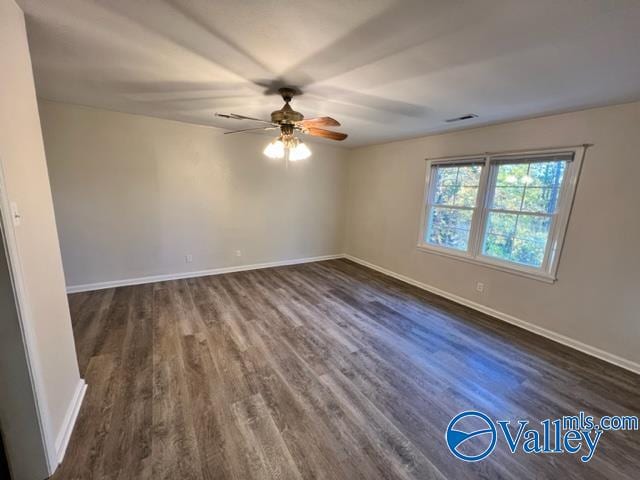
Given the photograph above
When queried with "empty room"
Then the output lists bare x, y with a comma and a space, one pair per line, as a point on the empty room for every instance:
339, 240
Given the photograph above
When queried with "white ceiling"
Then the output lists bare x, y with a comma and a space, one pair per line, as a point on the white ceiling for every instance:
386, 69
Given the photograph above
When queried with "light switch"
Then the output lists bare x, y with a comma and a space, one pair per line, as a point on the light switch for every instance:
15, 214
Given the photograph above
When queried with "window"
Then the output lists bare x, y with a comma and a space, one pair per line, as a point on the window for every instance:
453, 204
505, 211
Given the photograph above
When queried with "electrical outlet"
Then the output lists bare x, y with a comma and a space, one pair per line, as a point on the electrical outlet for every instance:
479, 287
188, 258
238, 253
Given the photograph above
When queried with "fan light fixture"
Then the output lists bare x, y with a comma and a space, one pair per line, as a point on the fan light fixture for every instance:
280, 146
300, 152
275, 149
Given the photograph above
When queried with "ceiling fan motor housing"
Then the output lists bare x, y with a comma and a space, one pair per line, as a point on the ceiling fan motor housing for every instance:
286, 115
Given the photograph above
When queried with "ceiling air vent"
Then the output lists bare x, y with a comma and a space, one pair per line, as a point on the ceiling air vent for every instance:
467, 116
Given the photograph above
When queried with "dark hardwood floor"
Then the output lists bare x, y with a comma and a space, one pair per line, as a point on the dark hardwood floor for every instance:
326, 370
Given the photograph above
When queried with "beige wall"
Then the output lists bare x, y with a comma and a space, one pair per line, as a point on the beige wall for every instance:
596, 297
33, 246
134, 195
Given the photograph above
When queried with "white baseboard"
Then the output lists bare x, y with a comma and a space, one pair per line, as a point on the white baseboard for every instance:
70, 420
556, 337
201, 273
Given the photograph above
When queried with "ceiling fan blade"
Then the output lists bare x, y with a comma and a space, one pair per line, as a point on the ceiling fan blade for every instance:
321, 132
235, 116
320, 122
251, 130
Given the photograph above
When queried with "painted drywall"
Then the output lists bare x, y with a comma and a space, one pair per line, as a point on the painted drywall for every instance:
33, 245
595, 299
135, 195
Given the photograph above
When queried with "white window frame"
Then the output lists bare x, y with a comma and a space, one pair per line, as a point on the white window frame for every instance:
548, 271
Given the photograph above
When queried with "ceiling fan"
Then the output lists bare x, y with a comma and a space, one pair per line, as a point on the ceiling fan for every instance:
288, 121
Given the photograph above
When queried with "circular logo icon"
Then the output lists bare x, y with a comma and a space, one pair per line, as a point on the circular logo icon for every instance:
471, 436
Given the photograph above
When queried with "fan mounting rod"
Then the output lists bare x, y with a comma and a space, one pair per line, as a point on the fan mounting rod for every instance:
288, 93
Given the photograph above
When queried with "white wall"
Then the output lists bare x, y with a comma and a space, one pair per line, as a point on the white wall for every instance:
596, 297
134, 195
33, 246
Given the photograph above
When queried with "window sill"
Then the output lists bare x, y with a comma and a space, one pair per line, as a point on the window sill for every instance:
514, 270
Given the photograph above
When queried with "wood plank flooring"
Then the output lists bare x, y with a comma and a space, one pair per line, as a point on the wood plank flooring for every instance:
327, 371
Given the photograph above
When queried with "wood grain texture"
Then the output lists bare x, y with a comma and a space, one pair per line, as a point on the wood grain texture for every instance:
320, 371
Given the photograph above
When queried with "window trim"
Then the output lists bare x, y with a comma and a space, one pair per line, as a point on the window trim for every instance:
473, 254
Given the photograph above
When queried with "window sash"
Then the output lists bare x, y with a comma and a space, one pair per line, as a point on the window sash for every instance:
430, 201
486, 233
490, 163
493, 164
429, 224
567, 156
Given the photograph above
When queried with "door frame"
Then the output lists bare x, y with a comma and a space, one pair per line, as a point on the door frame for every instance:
12, 254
